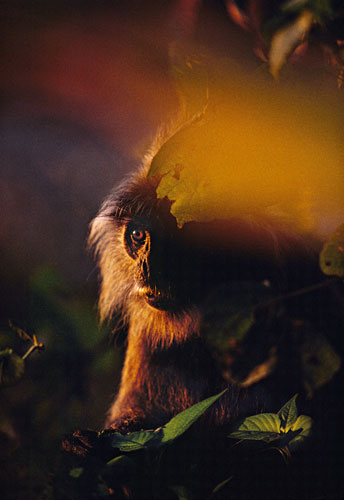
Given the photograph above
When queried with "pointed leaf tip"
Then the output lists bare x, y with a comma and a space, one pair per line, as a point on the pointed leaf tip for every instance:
181, 422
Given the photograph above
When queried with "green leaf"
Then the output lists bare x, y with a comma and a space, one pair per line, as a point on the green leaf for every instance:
303, 424
332, 255
228, 314
288, 414
122, 460
267, 437
181, 422
221, 485
263, 427
320, 362
322, 9
294, 5
12, 368
76, 472
181, 492
134, 440
283, 429
214, 167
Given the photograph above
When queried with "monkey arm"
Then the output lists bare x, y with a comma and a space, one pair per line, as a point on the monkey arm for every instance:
157, 384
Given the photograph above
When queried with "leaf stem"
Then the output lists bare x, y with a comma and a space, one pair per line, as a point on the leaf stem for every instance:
40, 347
296, 293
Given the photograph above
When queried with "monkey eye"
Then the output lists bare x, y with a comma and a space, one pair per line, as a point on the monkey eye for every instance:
138, 236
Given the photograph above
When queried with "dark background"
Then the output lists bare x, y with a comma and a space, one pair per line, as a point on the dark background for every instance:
84, 87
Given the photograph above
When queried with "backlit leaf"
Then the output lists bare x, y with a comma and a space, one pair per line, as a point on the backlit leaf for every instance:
288, 414
134, 440
265, 427
303, 424
332, 254
320, 362
267, 437
287, 38
181, 422
284, 429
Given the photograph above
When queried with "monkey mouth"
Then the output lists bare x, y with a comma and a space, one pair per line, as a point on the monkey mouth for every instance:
158, 302
156, 298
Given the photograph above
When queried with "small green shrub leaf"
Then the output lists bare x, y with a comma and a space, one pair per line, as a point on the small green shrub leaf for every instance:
288, 414
134, 440
143, 439
267, 437
285, 429
181, 422
12, 368
302, 425
221, 485
123, 461
181, 492
320, 362
76, 472
332, 255
263, 427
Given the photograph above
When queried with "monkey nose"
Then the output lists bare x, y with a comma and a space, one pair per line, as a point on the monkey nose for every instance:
156, 298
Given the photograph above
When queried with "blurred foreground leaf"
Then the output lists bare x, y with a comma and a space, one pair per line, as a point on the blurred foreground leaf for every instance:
320, 362
229, 313
286, 40
76, 472
332, 254
226, 178
12, 368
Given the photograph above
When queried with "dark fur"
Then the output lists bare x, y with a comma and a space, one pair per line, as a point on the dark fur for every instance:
168, 367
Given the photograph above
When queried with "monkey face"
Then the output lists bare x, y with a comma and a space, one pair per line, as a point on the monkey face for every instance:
177, 268
147, 260
155, 253
150, 285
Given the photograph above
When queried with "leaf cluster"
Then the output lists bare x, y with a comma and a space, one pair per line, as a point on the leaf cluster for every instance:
285, 430
285, 29
149, 464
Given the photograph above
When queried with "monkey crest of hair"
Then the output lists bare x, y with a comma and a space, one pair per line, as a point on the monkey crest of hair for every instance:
157, 277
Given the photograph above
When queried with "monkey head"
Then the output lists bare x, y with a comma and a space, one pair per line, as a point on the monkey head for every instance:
146, 260
160, 280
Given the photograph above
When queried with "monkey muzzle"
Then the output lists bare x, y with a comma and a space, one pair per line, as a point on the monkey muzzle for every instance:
163, 301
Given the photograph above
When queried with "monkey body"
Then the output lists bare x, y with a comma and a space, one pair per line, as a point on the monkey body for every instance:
158, 277
166, 365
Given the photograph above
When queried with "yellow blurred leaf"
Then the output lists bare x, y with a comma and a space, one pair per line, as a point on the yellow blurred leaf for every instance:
269, 153
287, 39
